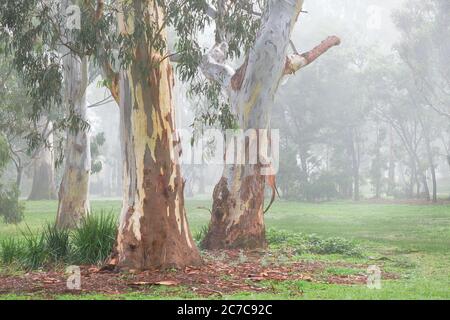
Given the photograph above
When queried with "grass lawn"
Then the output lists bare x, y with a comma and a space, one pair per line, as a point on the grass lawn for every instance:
410, 241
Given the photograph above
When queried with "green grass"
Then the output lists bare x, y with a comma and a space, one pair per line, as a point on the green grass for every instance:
408, 240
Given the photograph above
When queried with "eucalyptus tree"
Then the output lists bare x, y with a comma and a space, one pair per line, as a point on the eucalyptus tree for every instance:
237, 218
73, 192
36, 34
127, 39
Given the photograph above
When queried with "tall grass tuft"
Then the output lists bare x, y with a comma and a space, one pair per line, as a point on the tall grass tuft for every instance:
200, 235
57, 243
94, 239
11, 251
35, 254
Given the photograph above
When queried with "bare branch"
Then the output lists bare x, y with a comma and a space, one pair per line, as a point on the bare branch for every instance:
295, 62
100, 103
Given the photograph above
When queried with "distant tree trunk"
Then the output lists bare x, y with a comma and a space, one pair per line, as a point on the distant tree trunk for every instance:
153, 231
355, 165
377, 166
413, 180
201, 183
433, 177
74, 189
237, 219
430, 160
43, 187
418, 176
421, 179
391, 183
19, 170
425, 186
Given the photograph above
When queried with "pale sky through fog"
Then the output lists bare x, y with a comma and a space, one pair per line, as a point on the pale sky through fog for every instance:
349, 19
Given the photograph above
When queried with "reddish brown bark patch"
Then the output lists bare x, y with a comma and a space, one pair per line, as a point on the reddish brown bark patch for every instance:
249, 231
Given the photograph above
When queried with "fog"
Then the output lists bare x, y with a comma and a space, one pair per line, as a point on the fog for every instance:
314, 108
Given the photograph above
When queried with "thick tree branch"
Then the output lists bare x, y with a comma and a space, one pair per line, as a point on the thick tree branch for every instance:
295, 62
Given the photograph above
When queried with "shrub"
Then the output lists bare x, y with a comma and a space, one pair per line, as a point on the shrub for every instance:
11, 250
94, 239
333, 245
312, 243
278, 237
10, 207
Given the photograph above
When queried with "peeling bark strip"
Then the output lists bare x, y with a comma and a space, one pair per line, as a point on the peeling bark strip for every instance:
154, 231
237, 219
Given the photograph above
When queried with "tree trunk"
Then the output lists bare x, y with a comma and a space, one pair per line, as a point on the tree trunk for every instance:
238, 216
43, 187
355, 166
19, 177
237, 219
433, 176
425, 186
413, 180
391, 183
153, 231
430, 160
74, 189
377, 166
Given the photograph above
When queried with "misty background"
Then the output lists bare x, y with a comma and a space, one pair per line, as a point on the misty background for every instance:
334, 143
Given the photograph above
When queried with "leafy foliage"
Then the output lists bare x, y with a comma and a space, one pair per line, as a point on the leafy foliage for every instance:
97, 143
35, 33
10, 208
